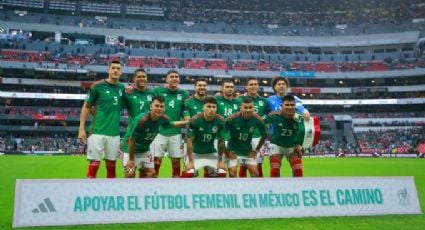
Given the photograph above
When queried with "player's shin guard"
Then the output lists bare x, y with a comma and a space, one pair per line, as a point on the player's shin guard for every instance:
92, 170
260, 169
242, 171
158, 162
110, 169
176, 169
297, 167
274, 167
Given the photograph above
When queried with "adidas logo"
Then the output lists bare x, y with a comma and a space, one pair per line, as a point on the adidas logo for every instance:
46, 206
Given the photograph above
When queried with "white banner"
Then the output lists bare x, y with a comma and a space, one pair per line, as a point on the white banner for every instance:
101, 201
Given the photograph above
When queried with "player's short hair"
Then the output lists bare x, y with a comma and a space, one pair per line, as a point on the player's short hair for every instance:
276, 79
210, 99
114, 62
288, 98
227, 81
172, 71
198, 80
160, 99
139, 70
247, 100
250, 79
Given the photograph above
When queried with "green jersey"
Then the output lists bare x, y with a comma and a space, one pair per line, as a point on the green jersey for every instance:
193, 105
108, 101
174, 106
225, 108
286, 131
205, 132
144, 130
261, 107
241, 131
137, 102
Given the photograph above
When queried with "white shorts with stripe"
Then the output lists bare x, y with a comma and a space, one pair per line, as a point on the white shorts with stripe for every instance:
103, 147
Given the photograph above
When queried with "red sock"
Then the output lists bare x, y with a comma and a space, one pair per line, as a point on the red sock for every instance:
142, 174
187, 174
297, 167
206, 174
274, 167
92, 170
260, 169
222, 174
242, 171
158, 162
176, 169
110, 169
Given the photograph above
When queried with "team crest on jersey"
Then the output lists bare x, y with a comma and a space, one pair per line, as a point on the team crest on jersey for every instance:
195, 108
179, 97
235, 106
135, 97
214, 129
280, 125
107, 91
261, 103
120, 92
251, 129
149, 97
201, 129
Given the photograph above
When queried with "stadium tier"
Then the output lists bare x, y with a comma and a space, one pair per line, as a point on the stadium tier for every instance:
360, 69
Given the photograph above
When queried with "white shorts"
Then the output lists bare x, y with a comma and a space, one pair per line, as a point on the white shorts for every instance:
170, 144
103, 147
279, 150
240, 160
141, 160
204, 160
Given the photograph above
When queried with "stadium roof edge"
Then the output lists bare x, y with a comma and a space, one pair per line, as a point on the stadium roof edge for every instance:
206, 38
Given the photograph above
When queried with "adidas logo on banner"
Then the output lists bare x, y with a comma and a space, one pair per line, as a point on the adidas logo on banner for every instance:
46, 206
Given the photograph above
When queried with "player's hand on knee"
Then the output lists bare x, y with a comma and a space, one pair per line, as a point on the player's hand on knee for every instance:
190, 165
129, 169
298, 150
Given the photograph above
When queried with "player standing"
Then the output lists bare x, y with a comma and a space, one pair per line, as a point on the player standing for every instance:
138, 98
195, 103
169, 139
106, 96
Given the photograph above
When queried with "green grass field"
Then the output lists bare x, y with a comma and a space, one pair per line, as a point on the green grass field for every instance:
36, 167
